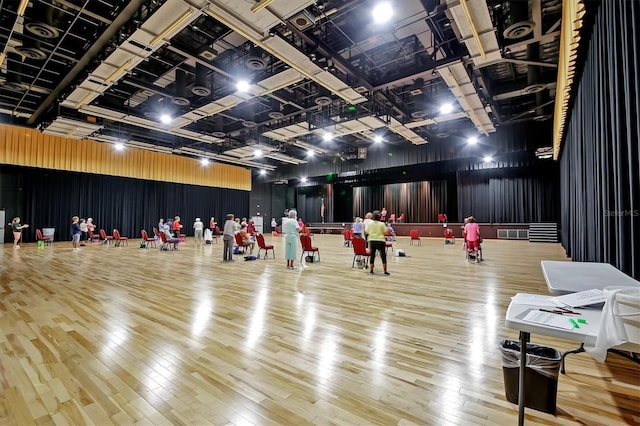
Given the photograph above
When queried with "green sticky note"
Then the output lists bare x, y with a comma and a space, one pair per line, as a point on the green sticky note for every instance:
574, 323
582, 321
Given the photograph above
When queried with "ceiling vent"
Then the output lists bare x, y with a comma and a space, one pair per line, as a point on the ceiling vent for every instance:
31, 49
519, 18
322, 100
255, 61
360, 89
207, 53
303, 20
14, 73
42, 23
276, 110
201, 88
180, 98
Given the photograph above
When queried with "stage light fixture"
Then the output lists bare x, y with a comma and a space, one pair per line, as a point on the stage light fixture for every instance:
472, 140
382, 12
488, 159
446, 108
204, 161
243, 86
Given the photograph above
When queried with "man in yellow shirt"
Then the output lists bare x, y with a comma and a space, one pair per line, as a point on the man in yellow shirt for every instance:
375, 231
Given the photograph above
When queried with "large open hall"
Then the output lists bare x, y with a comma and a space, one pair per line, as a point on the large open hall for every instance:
319, 212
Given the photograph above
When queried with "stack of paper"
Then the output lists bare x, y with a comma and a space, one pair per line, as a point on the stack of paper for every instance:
582, 298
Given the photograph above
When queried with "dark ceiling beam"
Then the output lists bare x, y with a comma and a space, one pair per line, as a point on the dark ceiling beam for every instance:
127, 13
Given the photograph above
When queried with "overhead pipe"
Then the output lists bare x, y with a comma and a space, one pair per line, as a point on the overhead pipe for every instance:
201, 88
533, 71
14, 72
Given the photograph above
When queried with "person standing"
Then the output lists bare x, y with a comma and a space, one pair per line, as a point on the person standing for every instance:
472, 236
228, 237
84, 229
198, 232
291, 230
274, 224
212, 225
75, 232
375, 232
177, 226
17, 228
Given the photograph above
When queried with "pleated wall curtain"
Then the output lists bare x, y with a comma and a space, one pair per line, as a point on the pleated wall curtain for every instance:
501, 196
600, 177
421, 202
53, 197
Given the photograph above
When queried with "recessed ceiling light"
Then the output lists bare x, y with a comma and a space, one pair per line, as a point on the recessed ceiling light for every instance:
310, 153
382, 13
257, 153
165, 119
488, 159
204, 161
446, 108
472, 140
243, 86
119, 146
377, 139
327, 137
263, 172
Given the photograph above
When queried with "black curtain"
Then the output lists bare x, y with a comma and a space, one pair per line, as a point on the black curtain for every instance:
600, 177
53, 197
509, 195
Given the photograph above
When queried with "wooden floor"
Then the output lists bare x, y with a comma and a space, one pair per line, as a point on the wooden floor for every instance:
133, 336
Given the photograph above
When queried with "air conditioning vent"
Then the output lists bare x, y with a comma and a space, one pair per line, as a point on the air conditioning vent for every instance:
208, 54
303, 20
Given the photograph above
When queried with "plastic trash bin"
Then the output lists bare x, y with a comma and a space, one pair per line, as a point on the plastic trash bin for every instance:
540, 376
48, 232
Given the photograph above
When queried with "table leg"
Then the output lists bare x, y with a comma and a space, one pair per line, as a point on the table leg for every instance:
524, 339
575, 351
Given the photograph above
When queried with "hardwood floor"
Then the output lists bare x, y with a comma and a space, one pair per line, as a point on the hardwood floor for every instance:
133, 336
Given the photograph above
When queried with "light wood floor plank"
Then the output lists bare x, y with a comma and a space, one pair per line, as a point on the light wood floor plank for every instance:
132, 336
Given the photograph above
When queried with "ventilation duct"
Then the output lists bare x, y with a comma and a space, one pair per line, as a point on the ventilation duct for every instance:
42, 22
543, 106
255, 61
520, 25
201, 88
14, 73
218, 124
276, 108
533, 71
181, 89
31, 49
303, 20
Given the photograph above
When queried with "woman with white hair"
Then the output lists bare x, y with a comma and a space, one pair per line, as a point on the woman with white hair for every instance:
291, 235
198, 230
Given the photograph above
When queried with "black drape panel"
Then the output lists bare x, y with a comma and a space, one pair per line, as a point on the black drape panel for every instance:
419, 201
509, 196
600, 177
53, 197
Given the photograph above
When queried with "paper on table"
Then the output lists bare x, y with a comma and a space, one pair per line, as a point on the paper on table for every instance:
581, 298
545, 318
540, 300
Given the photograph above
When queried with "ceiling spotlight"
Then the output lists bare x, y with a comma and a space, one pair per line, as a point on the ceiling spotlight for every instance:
257, 153
119, 146
472, 140
303, 180
165, 119
327, 137
204, 161
263, 172
488, 159
377, 139
446, 108
243, 86
382, 13
310, 153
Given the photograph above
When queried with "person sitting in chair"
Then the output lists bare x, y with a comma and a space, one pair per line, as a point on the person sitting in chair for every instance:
170, 237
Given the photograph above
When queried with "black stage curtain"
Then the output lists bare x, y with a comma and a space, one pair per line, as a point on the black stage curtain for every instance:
600, 177
419, 201
129, 205
509, 195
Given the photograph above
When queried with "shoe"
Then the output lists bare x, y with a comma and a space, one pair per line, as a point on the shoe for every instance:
76, 250
386, 273
82, 245
16, 247
371, 271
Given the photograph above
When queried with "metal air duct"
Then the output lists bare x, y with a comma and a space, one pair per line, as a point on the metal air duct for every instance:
42, 23
201, 88
520, 25
255, 61
543, 106
31, 49
14, 73
533, 71
180, 98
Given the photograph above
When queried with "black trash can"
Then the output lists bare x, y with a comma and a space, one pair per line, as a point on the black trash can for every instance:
540, 376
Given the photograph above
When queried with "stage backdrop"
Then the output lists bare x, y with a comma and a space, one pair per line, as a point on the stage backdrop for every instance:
48, 198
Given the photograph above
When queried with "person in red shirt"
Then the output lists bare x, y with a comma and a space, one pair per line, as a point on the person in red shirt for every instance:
472, 236
177, 226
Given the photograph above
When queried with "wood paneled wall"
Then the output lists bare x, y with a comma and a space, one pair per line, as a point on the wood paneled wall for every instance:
26, 147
